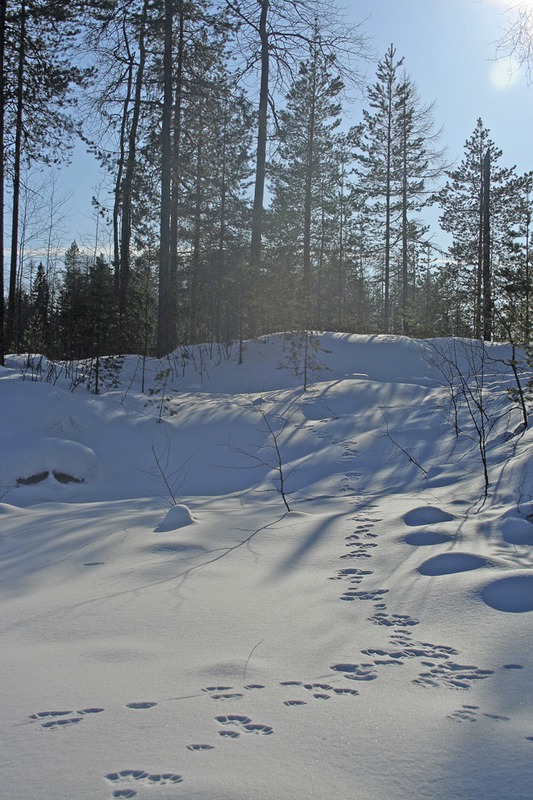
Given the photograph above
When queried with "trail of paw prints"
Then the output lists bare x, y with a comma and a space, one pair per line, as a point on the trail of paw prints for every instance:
238, 724
349, 479
452, 675
139, 778
360, 542
441, 669
469, 713
396, 621
53, 720
355, 577
317, 691
224, 693
357, 672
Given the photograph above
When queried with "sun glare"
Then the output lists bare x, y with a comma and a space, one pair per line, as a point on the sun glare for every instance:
504, 73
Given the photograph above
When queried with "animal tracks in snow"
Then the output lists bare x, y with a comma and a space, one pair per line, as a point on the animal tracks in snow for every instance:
53, 720
242, 724
469, 713
437, 664
139, 778
318, 691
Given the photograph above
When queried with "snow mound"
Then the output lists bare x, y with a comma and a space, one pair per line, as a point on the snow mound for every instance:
426, 515
7, 508
517, 530
513, 594
176, 517
449, 563
426, 538
50, 460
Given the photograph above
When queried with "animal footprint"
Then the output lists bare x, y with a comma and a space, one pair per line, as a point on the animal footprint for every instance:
90, 711
352, 574
233, 719
325, 687
61, 723
464, 714
354, 594
232, 696
294, 703
357, 672
346, 692
452, 675
142, 778
393, 620
142, 705
44, 714
245, 724
200, 747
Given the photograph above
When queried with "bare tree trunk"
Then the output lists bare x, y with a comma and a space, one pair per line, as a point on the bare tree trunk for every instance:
487, 289
2, 173
405, 236
10, 322
386, 276
176, 146
308, 201
260, 164
117, 205
196, 242
166, 328
125, 237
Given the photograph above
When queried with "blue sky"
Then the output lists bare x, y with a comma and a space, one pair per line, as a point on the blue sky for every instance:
449, 48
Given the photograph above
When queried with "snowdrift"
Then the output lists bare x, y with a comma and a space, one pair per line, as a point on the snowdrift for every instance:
171, 630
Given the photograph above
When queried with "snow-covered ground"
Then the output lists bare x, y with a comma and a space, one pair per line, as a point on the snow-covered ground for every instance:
170, 630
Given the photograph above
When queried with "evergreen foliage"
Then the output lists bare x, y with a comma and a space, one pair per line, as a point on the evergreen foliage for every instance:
170, 98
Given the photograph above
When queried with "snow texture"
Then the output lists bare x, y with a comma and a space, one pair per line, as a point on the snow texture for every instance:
170, 631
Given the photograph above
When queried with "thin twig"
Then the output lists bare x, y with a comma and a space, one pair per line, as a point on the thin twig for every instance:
249, 657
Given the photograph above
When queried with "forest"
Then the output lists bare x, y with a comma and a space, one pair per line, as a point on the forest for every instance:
240, 198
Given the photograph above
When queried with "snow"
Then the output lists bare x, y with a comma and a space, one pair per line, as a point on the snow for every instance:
170, 630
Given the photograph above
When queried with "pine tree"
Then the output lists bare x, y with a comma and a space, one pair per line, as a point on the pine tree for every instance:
380, 165
38, 76
475, 212
304, 182
399, 159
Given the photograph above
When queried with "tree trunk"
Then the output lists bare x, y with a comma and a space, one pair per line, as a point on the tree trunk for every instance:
10, 322
388, 199
260, 164
118, 202
176, 159
308, 203
405, 229
2, 173
125, 236
487, 289
166, 327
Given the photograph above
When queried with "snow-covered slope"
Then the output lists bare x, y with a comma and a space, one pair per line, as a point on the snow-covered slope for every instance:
170, 630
